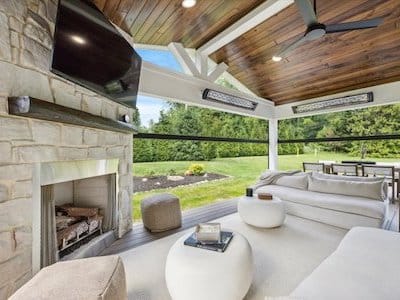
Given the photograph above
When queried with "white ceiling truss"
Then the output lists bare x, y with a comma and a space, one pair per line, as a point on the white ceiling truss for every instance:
199, 69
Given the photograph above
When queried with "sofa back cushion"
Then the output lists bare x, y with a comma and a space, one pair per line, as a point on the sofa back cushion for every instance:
385, 186
297, 181
346, 178
372, 190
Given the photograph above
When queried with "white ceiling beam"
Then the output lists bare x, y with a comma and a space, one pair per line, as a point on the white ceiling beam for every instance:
218, 71
184, 59
384, 94
150, 47
203, 65
263, 12
178, 87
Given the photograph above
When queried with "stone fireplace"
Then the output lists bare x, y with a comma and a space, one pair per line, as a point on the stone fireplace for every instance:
30, 146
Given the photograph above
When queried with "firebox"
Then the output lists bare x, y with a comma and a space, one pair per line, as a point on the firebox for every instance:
78, 209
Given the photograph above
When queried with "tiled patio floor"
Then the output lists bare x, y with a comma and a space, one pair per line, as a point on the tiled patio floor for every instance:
139, 235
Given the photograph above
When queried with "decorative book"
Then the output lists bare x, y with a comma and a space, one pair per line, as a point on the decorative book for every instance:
226, 237
264, 196
208, 233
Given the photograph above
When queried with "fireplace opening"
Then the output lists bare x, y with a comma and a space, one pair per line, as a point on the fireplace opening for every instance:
74, 214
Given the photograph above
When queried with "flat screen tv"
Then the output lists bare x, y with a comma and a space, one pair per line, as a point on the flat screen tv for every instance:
91, 52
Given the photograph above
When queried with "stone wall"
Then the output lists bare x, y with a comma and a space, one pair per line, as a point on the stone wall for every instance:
26, 29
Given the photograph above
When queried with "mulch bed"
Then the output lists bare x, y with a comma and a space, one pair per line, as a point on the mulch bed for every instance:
162, 182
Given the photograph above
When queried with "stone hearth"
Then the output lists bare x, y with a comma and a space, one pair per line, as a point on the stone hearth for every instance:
26, 30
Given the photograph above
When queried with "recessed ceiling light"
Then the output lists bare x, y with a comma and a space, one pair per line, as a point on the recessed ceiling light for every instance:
276, 58
78, 39
188, 3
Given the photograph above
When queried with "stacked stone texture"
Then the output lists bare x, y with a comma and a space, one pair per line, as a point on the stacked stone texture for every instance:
26, 30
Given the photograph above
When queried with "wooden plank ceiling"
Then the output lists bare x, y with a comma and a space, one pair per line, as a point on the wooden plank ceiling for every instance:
160, 22
335, 63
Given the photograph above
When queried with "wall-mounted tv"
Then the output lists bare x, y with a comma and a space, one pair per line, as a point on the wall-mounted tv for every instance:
90, 51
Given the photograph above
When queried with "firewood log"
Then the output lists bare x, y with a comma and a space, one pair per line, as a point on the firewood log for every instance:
63, 222
94, 222
82, 228
72, 232
81, 211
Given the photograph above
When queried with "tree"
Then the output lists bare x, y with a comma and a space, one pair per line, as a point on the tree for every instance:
182, 120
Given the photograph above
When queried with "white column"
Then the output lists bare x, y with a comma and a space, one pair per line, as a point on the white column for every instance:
273, 144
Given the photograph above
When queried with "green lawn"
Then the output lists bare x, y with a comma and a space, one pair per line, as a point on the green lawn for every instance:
243, 171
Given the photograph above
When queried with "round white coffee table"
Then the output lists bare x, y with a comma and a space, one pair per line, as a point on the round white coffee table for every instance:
198, 274
262, 213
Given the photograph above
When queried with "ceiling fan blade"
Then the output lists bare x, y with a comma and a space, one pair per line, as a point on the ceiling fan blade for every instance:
307, 11
291, 47
364, 24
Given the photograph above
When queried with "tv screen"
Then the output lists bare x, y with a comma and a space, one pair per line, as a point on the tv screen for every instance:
90, 51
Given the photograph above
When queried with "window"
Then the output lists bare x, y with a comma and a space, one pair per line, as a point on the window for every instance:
162, 58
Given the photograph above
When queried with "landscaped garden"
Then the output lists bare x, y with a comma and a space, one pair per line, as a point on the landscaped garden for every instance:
241, 172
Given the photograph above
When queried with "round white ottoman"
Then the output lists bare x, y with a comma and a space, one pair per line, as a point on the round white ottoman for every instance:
198, 274
262, 213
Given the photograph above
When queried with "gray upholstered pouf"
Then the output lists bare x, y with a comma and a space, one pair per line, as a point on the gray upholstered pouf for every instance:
161, 212
96, 278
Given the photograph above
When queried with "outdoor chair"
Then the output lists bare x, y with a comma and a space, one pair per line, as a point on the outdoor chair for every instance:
328, 165
358, 162
314, 167
386, 172
345, 169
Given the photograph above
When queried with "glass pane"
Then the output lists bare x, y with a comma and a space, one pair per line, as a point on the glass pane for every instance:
162, 58
224, 175
293, 155
150, 150
361, 122
148, 111
157, 116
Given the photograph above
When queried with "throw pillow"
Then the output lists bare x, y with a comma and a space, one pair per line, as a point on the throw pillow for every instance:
298, 181
346, 178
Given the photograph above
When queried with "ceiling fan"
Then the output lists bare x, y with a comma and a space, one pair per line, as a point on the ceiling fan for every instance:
317, 30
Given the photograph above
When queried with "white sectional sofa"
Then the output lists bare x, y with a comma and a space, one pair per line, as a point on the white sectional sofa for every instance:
342, 201
363, 267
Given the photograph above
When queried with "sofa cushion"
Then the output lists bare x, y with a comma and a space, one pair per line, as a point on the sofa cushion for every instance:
362, 267
298, 181
331, 217
353, 178
342, 203
371, 190
346, 178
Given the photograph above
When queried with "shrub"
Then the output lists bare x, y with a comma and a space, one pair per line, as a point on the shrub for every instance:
172, 172
196, 169
150, 174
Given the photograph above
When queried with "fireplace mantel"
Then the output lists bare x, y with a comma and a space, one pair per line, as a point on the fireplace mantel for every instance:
25, 106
